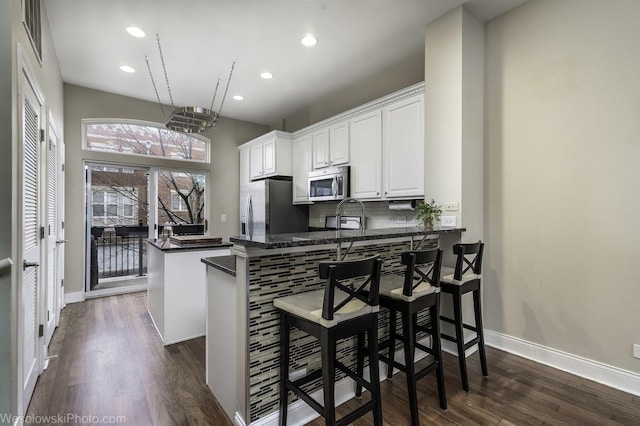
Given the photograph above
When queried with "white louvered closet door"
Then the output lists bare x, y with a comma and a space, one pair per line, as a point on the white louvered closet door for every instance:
51, 232
31, 342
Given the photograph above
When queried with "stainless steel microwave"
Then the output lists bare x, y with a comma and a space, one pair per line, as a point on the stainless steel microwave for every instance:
329, 184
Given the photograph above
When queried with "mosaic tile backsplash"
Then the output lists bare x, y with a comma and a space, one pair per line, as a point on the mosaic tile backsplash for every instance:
282, 275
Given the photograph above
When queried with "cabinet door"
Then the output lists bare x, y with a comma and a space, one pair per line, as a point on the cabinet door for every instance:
339, 144
245, 174
256, 162
321, 149
403, 148
269, 157
302, 153
366, 155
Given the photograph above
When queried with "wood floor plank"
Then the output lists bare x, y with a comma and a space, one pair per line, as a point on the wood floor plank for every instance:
112, 363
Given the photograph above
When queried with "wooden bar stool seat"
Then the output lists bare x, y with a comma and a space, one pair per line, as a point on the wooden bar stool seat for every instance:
465, 278
346, 307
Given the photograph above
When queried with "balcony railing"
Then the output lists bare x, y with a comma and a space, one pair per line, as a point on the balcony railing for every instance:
119, 251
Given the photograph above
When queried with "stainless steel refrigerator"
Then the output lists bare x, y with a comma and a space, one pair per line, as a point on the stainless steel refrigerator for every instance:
266, 208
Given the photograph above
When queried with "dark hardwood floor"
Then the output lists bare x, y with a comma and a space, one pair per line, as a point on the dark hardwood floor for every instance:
112, 363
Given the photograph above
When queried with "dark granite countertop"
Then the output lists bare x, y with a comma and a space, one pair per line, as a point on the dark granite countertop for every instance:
224, 263
166, 245
329, 237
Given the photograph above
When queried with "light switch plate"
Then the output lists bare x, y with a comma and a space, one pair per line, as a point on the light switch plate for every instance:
447, 221
223, 217
451, 207
636, 351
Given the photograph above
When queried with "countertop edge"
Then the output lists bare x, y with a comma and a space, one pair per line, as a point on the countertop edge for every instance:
225, 264
167, 246
310, 240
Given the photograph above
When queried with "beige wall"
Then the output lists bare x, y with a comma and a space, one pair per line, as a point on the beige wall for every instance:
562, 143
223, 188
401, 75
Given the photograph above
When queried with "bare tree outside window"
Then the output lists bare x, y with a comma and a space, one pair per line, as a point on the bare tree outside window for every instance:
147, 140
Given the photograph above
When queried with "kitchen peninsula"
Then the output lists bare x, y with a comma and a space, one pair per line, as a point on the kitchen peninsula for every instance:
176, 286
266, 267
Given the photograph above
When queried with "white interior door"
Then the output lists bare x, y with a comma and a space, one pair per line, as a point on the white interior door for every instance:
60, 232
51, 232
30, 341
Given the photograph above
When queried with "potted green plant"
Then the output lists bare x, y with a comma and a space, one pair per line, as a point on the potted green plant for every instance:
429, 213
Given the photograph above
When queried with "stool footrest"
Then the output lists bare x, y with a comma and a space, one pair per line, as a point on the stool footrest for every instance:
357, 413
471, 342
426, 370
307, 379
445, 319
447, 337
353, 375
306, 398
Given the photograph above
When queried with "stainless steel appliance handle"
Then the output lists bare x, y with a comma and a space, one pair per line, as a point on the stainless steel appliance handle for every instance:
334, 186
249, 216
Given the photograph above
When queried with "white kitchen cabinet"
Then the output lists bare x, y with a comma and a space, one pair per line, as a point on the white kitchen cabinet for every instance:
245, 174
321, 155
403, 148
270, 155
331, 146
366, 155
302, 158
339, 143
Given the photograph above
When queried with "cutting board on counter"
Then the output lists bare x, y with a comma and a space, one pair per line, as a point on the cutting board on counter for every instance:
195, 239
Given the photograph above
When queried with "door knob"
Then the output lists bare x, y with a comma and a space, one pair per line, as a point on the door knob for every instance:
26, 265
61, 241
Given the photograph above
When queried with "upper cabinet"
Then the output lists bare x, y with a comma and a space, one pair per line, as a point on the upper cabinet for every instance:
302, 157
269, 155
331, 145
403, 148
366, 155
382, 142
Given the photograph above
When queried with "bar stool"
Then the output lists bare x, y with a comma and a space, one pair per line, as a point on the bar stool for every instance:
339, 311
414, 291
466, 277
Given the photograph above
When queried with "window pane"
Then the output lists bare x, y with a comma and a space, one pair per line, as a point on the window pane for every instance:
98, 197
98, 210
111, 197
172, 208
146, 140
128, 210
112, 210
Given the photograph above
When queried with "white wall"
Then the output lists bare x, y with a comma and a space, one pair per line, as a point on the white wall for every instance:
454, 55
562, 145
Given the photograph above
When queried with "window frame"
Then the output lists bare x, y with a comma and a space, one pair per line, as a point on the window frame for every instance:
123, 121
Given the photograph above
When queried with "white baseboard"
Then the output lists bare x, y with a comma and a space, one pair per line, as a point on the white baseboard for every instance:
614, 377
238, 420
75, 297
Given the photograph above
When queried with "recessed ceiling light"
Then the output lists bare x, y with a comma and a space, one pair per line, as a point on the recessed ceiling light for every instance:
266, 75
309, 40
135, 31
127, 68
238, 97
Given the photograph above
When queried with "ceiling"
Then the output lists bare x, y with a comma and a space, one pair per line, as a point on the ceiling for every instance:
201, 38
